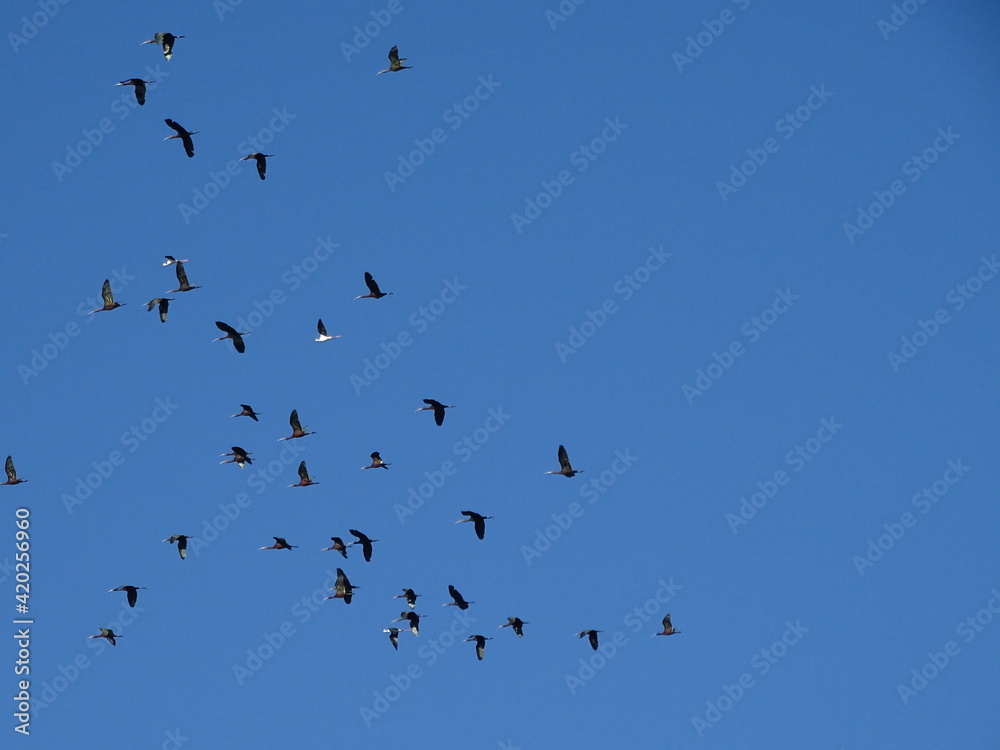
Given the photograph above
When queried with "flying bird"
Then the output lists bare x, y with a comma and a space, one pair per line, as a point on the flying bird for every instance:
109, 634
297, 430
342, 588
480, 644
668, 628
247, 412
131, 593
321, 330
592, 635
437, 407
171, 260
459, 601
184, 135
261, 160
166, 40
393, 636
377, 462
232, 333
182, 543
182, 279
413, 618
410, 596
565, 468
478, 521
239, 456
12, 472
109, 298
163, 303
395, 63
516, 623
280, 543
338, 546
373, 291
365, 542
304, 479
140, 88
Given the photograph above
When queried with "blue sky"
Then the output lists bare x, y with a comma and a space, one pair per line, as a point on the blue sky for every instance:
738, 257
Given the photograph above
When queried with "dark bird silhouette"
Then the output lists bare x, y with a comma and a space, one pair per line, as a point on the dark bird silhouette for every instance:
437, 407
459, 601
480, 644
247, 412
131, 593
478, 521
377, 462
109, 298
239, 456
140, 88
12, 472
171, 260
182, 543
338, 546
232, 333
109, 634
304, 479
373, 291
184, 135
413, 618
182, 279
342, 588
321, 330
395, 63
516, 623
261, 160
365, 542
410, 596
280, 543
163, 303
668, 628
166, 40
297, 430
393, 636
565, 468
592, 635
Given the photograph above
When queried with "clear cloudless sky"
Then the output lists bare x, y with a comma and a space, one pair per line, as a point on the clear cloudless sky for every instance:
740, 258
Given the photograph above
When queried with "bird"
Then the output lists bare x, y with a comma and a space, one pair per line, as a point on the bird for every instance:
109, 298
140, 88
261, 160
592, 635
565, 468
131, 593
12, 472
395, 63
459, 601
304, 479
413, 618
163, 303
280, 543
182, 543
338, 546
517, 623
437, 407
393, 636
480, 644
365, 542
373, 291
247, 412
321, 330
668, 628
166, 39
171, 260
343, 588
182, 279
478, 521
232, 333
184, 135
297, 430
109, 634
410, 596
377, 462
239, 456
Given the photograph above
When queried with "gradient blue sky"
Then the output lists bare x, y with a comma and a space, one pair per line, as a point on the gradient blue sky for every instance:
714, 248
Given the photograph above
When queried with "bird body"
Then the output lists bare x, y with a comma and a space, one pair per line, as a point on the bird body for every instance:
304, 479
247, 412
437, 407
166, 40
413, 619
109, 634
261, 160
280, 543
108, 297
410, 596
668, 628
182, 279
171, 260
395, 62
342, 588
233, 334
478, 522
565, 468
592, 636
393, 636
239, 456
182, 543
365, 542
377, 462
338, 546
140, 88
184, 135
480, 644
459, 600
162, 303
12, 472
373, 291
516, 623
297, 431
321, 330
130, 592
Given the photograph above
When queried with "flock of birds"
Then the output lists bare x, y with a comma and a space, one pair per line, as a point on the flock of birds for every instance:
343, 589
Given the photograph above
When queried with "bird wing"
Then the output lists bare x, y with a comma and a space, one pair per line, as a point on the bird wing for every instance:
666, 623
106, 294
164, 304
241, 347
303, 474
132, 595
480, 525
564, 459
370, 283
293, 420
320, 328
178, 128
9, 468
261, 165
182, 277
226, 328
394, 56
